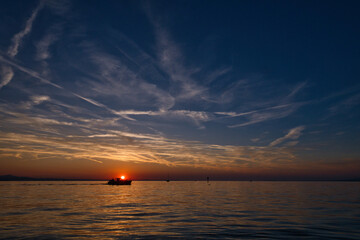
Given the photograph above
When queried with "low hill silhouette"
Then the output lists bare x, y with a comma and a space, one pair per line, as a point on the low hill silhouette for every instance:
10, 177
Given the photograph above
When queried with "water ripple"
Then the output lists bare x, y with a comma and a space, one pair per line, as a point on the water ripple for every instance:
180, 210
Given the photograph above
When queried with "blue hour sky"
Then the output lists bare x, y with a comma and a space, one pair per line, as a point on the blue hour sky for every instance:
231, 89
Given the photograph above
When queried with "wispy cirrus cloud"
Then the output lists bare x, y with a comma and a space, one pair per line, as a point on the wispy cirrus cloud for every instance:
28, 71
262, 115
235, 114
35, 100
296, 89
293, 134
59, 7
144, 149
196, 117
217, 73
46, 136
38, 76
171, 60
346, 104
267, 115
44, 44
116, 79
266, 109
17, 39
6, 74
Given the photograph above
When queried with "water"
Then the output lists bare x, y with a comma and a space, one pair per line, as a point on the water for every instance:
185, 210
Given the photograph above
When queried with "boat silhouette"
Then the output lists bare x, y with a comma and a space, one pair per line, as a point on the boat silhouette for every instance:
119, 181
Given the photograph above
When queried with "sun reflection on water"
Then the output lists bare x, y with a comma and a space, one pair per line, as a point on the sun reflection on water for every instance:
178, 209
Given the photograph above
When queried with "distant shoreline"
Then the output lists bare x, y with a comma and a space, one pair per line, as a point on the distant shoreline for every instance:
17, 178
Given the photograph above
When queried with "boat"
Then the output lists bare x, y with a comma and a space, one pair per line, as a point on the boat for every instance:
119, 181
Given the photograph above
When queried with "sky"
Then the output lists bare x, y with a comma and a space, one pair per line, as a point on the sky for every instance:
234, 90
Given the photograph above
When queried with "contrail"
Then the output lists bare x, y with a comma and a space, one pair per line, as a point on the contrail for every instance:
44, 80
6, 72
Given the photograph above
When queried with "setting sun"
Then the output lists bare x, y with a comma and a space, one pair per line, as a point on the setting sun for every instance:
122, 177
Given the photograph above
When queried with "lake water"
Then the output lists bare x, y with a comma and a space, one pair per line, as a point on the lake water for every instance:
185, 210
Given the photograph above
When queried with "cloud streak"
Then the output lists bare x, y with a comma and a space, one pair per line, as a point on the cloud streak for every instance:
36, 100
293, 134
29, 72
143, 149
7, 72
170, 60
262, 115
17, 39
43, 46
196, 115
44, 80
6, 75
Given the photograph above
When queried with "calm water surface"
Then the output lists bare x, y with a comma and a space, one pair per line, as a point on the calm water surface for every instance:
158, 210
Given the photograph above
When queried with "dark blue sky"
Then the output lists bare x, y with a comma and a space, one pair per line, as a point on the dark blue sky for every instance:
247, 87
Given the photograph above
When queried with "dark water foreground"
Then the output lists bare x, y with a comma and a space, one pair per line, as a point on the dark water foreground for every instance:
185, 210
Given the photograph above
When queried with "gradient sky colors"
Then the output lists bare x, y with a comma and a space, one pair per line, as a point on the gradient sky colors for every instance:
231, 90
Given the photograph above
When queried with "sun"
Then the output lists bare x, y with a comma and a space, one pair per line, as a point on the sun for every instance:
122, 177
